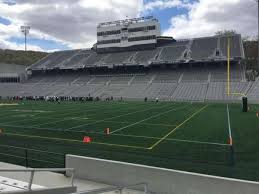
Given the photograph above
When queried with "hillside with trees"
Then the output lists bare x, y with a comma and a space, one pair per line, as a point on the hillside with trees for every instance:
20, 57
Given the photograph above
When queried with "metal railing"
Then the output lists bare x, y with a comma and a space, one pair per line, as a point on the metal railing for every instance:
33, 170
116, 188
30, 157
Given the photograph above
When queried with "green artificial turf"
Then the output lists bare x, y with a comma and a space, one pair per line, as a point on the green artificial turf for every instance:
183, 136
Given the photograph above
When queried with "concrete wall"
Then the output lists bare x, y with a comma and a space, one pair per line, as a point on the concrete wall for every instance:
12, 68
159, 180
61, 190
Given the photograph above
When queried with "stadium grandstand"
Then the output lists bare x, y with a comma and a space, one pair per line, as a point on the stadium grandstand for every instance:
11, 73
164, 115
163, 68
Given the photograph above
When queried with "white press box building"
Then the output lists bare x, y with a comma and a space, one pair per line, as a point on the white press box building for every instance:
128, 33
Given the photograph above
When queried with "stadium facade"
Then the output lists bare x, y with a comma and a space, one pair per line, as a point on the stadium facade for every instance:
131, 60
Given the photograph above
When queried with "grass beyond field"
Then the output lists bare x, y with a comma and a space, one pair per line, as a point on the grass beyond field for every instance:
184, 136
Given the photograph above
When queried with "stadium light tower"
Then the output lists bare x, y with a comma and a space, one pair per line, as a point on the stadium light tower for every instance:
25, 30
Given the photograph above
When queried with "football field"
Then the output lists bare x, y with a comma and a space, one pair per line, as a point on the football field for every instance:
185, 136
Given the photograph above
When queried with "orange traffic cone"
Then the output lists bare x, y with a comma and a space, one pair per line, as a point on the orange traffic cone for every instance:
86, 139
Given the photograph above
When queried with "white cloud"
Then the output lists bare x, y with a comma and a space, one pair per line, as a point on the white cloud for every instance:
14, 46
209, 16
72, 23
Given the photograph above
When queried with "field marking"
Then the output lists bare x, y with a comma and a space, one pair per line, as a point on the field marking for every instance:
99, 121
177, 127
229, 128
38, 106
28, 119
57, 115
31, 111
172, 139
73, 140
62, 109
67, 119
119, 145
136, 136
167, 139
10, 104
156, 115
125, 135
199, 142
152, 124
124, 122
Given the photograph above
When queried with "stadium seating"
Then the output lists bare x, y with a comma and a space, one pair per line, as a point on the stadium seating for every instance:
140, 79
192, 75
100, 80
218, 90
193, 84
118, 58
93, 58
82, 79
235, 48
172, 53
167, 76
218, 75
77, 60
185, 82
253, 93
190, 92
200, 49
160, 90
121, 79
143, 57
203, 48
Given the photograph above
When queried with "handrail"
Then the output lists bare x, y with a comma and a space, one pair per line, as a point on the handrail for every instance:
33, 170
114, 188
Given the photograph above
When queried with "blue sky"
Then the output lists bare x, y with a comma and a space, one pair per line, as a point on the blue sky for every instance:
4, 21
164, 15
57, 27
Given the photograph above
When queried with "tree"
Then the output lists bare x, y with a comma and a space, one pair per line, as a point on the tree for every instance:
225, 32
246, 38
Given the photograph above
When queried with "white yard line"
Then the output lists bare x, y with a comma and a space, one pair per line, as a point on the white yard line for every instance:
99, 121
126, 122
10, 104
151, 117
12, 114
229, 125
124, 135
57, 115
200, 142
67, 119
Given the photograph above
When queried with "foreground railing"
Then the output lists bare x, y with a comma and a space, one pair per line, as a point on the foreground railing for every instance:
117, 188
34, 170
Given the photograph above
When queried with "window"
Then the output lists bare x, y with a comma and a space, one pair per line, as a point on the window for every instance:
109, 41
142, 38
108, 33
145, 28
